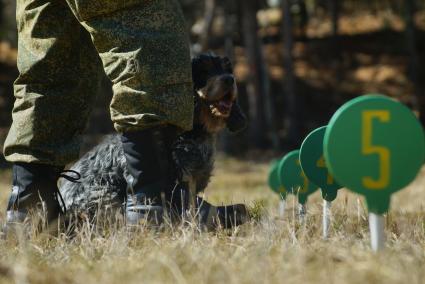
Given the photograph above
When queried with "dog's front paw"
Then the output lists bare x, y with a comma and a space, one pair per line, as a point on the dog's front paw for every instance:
233, 215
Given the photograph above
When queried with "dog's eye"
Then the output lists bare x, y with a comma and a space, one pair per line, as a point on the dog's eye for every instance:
227, 65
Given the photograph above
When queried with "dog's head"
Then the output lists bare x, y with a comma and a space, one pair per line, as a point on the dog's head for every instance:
216, 94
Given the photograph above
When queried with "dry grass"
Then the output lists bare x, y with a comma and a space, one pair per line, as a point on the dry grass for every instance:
270, 251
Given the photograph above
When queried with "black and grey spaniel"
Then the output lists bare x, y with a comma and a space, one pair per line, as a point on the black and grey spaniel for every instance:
103, 172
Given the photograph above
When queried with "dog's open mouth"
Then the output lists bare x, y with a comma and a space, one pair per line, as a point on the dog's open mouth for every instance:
222, 107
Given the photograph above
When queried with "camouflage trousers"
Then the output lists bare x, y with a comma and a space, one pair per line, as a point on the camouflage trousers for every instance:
64, 49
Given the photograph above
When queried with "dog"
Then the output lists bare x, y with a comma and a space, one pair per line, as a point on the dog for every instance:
103, 181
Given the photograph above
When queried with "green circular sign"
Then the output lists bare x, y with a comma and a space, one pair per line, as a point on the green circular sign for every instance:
314, 166
274, 182
293, 179
374, 146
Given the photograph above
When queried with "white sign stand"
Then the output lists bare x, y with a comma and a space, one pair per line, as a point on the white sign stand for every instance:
282, 206
377, 234
358, 210
326, 218
302, 212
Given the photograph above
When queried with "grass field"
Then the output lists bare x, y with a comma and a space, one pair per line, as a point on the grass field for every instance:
270, 250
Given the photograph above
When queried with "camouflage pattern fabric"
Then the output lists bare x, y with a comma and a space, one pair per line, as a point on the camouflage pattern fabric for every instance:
64, 50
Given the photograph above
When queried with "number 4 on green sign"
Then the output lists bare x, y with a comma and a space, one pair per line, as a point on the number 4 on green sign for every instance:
304, 188
314, 163
321, 164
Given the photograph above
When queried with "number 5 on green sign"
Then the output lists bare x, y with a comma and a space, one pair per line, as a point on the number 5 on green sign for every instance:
369, 149
380, 129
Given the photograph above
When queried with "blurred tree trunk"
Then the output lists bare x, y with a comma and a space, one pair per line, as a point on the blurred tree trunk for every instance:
304, 18
8, 30
255, 82
269, 106
1, 12
334, 6
229, 143
292, 111
414, 58
229, 29
338, 69
210, 7
2, 28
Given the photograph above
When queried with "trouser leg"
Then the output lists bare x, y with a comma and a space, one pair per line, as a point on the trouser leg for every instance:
59, 72
145, 53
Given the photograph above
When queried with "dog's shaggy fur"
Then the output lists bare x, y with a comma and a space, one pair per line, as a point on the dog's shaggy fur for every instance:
103, 169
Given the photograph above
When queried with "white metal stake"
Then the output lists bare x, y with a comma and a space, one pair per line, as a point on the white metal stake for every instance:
301, 212
326, 218
358, 210
377, 234
282, 205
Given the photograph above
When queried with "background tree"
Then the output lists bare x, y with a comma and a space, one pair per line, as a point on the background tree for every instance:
255, 84
411, 38
292, 117
210, 8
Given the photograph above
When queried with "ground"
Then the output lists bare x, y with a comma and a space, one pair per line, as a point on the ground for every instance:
269, 250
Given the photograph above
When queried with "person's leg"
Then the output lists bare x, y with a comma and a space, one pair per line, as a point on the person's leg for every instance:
145, 52
57, 83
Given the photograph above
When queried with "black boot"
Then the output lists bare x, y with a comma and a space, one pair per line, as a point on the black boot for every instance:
34, 187
148, 159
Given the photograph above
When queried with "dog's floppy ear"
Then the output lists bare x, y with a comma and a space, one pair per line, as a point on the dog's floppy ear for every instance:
199, 76
227, 64
237, 120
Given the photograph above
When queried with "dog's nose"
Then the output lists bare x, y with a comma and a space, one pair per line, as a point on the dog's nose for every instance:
228, 79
